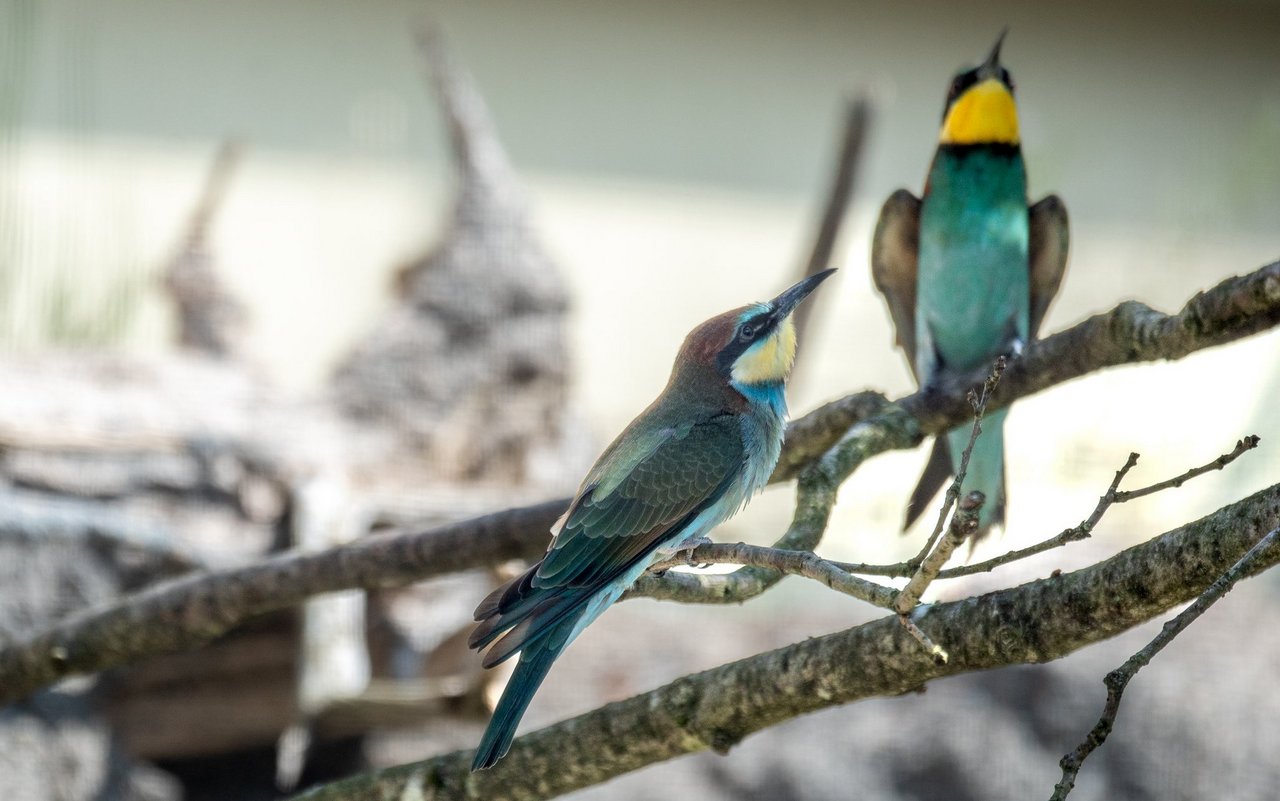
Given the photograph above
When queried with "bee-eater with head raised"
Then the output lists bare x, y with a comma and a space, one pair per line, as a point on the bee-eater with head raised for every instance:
968, 270
691, 460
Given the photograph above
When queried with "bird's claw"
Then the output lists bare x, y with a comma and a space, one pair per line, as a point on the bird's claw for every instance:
686, 552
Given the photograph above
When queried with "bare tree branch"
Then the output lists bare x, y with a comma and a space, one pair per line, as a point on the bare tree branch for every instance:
1081, 531
1131, 332
211, 320
792, 563
1246, 444
190, 611
1118, 679
857, 112
697, 588
963, 524
716, 709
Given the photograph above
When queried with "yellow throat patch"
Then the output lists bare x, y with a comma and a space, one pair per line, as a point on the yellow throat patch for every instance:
985, 113
769, 359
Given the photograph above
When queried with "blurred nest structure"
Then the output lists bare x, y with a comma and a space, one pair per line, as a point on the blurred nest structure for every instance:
118, 471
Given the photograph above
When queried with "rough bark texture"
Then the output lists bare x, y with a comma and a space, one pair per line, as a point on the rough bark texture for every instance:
193, 610
716, 709
1131, 332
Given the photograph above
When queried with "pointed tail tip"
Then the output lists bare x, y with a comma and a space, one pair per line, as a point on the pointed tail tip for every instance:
493, 747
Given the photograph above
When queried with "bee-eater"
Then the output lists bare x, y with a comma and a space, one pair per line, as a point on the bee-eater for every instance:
691, 460
968, 270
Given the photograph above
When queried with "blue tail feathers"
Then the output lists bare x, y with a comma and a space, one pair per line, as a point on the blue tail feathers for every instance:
532, 668
986, 466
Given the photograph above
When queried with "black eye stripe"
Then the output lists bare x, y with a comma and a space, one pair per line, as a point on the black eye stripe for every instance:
962, 82
751, 329
967, 79
742, 341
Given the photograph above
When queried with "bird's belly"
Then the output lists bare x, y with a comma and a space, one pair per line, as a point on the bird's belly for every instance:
974, 293
703, 524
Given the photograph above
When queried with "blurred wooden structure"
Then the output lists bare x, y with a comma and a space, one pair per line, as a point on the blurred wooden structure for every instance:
194, 459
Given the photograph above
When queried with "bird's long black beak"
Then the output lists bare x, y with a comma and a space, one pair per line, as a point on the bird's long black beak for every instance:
991, 66
785, 303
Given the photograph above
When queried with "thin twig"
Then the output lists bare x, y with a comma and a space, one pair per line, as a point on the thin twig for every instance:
935, 651
1118, 679
1081, 531
1078, 532
963, 524
857, 112
1113, 495
791, 557
793, 563
953, 491
1246, 444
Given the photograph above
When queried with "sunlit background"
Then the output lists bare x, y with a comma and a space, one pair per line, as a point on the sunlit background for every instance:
675, 155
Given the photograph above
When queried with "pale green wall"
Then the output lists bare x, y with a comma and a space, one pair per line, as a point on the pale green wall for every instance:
674, 151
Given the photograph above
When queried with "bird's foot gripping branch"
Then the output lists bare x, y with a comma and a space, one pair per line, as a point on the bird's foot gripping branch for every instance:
1036, 622
822, 449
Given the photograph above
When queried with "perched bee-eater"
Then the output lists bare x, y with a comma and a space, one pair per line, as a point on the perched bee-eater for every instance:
969, 270
688, 462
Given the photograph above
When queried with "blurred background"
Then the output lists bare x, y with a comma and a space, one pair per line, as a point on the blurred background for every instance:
667, 162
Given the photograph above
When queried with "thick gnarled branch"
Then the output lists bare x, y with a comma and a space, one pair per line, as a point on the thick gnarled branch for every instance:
190, 611
1130, 333
1037, 622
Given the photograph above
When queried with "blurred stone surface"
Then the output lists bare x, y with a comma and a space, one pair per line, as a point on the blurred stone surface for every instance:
53, 746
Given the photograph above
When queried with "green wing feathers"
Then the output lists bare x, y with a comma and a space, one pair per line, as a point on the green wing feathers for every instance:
607, 530
627, 509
